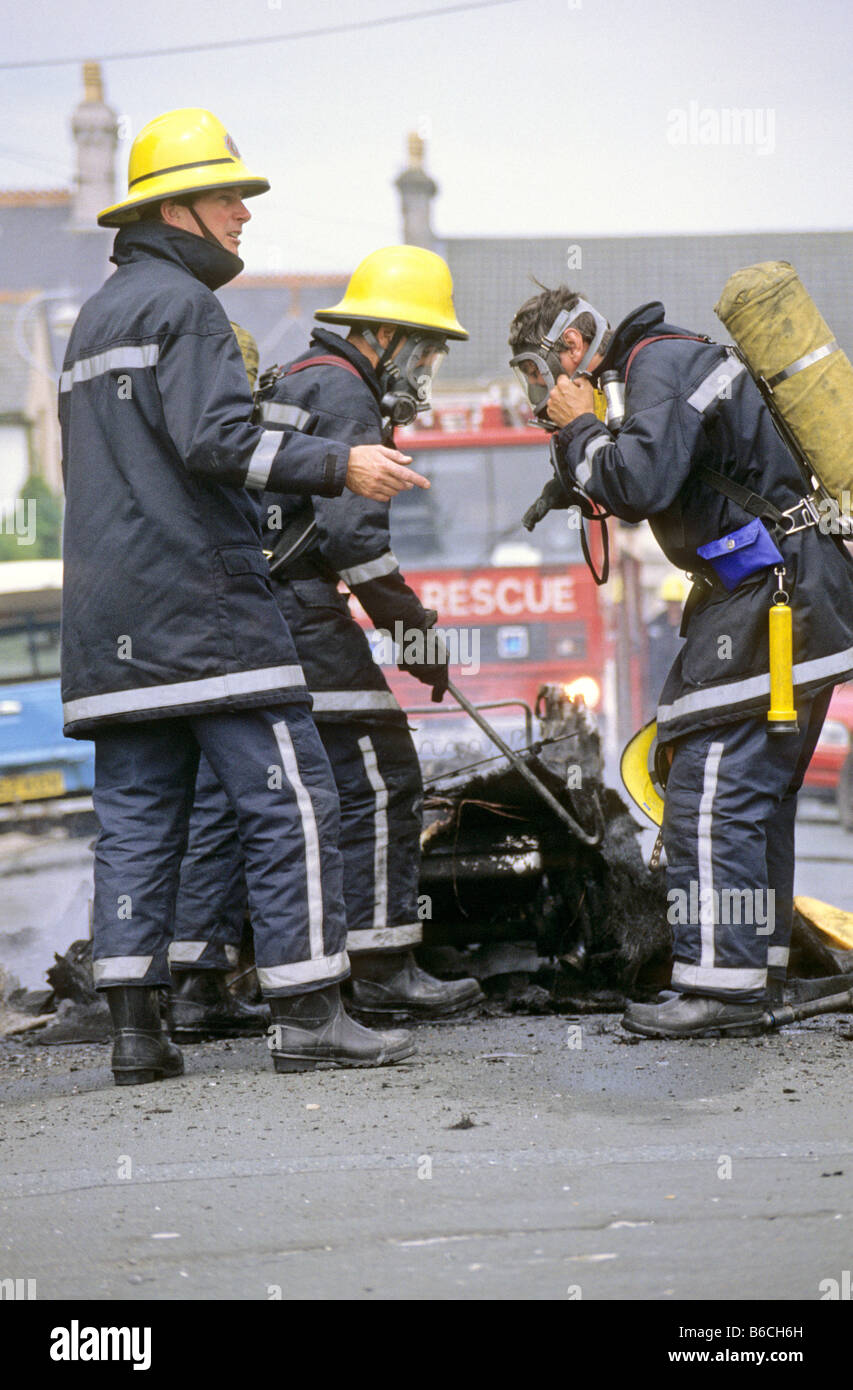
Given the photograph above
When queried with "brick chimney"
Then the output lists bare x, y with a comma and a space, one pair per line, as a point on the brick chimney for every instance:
95, 129
417, 191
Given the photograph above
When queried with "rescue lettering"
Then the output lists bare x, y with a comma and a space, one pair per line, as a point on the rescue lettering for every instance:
510, 594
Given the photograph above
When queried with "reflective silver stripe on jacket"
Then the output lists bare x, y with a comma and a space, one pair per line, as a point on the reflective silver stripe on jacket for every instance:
117, 359
120, 968
583, 472
385, 938
351, 701
754, 687
274, 414
778, 955
714, 387
258, 472
371, 569
153, 697
717, 977
302, 972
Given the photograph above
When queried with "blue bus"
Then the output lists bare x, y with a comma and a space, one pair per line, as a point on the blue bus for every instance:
37, 762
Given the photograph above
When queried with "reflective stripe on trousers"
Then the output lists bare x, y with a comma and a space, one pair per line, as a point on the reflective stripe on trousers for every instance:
729, 838
378, 780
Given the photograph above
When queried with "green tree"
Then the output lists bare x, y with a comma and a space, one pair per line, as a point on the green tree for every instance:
43, 521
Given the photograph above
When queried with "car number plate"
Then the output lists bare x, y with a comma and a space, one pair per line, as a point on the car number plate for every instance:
31, 786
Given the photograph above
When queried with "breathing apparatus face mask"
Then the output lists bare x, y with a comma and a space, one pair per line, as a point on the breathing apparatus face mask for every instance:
406, 369
538, 369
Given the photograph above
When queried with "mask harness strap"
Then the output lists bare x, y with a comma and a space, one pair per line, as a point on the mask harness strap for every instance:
383, 367
398, 403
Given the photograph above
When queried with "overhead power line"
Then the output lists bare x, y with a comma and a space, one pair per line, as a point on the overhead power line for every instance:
257, 42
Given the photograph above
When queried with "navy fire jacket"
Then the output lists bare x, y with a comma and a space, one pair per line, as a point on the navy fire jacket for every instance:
691, 403
350, 537
167, 606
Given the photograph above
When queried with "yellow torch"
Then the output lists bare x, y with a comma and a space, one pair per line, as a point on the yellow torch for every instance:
781, 716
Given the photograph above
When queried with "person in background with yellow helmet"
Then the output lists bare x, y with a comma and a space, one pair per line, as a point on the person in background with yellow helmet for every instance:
171, 639
399, 310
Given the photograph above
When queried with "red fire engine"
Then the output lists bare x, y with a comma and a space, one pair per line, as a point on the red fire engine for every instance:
521, 608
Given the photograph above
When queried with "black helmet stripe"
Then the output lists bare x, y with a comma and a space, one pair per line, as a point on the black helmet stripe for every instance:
176, 169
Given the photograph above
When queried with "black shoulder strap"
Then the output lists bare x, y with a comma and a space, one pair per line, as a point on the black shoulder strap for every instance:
751, 502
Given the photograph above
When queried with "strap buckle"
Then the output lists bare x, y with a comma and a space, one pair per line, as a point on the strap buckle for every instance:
802, 515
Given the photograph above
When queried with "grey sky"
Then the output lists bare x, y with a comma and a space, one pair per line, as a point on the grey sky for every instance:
563, 116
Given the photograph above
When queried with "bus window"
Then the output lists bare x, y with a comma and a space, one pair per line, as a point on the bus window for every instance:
451, 523
519, 475
29, 648
474, 509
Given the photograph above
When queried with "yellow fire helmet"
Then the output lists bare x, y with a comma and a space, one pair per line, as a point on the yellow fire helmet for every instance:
407, 285
640, 772
185, 151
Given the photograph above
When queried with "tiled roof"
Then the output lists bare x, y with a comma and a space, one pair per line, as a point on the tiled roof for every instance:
38, 247
492, 276
279, 309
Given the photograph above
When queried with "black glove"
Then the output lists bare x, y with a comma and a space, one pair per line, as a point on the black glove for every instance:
552, 496
435, 673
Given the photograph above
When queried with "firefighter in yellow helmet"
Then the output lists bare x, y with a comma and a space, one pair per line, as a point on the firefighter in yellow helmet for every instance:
398, 310
172, 641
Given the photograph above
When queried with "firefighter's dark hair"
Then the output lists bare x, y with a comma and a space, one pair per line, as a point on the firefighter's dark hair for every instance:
150, 212
536, 315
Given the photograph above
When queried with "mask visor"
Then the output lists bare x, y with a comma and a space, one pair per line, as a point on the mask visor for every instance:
417, 364
536, 376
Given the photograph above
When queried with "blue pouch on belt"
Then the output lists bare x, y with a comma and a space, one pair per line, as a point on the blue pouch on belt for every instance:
741, 553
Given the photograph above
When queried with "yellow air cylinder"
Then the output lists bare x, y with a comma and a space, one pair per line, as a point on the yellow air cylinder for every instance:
808, 380
782, 716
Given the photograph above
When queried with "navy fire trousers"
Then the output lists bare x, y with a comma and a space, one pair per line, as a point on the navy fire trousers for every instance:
728, 831
378, 779
283, 808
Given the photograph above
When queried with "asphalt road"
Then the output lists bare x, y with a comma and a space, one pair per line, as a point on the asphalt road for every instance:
510, 1158
498, 1163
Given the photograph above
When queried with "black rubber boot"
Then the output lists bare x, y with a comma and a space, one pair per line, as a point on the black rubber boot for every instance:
202, 1006
694, 1016
314, 1031
393, 984
142, 1051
